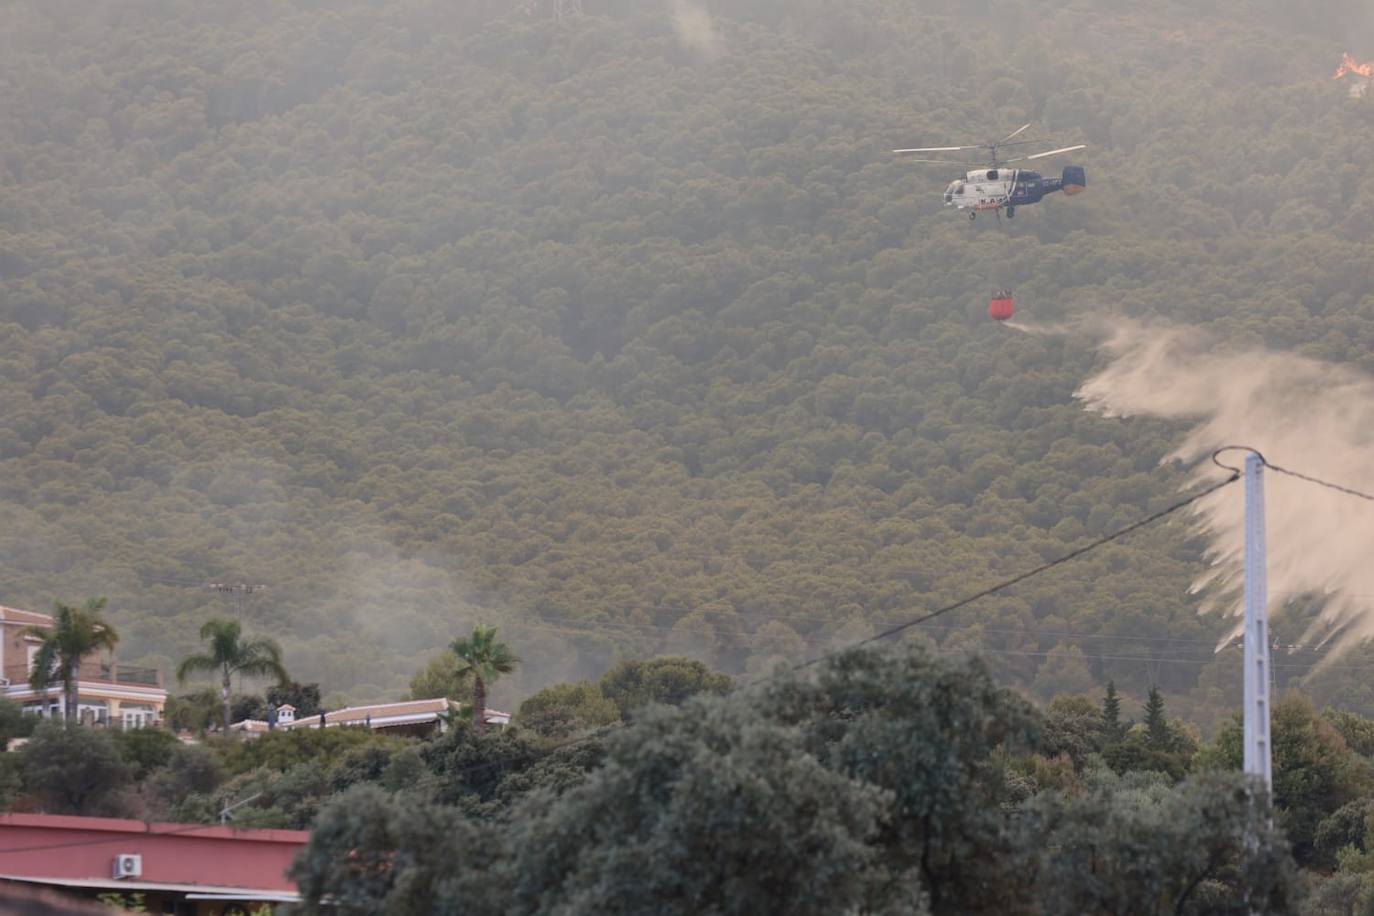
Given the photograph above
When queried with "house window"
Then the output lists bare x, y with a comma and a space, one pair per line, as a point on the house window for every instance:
132, 716
93, 712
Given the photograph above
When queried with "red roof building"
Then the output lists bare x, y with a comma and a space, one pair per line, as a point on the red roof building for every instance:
408, 717
189, 869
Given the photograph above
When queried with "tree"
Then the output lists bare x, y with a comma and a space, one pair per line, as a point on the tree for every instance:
74, 770
1136, 751
1315, 774
483, 659
247, 706
231, 654
1357, 731
369, 853
1073, 726
145, 749
192, 769
469, 770
75, 633
11, 779
1136, 844
192, 711
14, 723
670, 680
1065, 671
930, 731
562, 709
711, 808
1111, 713
1156, 722
304, 697
440, 678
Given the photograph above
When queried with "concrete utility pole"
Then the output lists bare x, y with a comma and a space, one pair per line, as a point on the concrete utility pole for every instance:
1258, 760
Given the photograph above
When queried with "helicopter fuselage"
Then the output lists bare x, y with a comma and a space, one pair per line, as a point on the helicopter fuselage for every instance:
998, 188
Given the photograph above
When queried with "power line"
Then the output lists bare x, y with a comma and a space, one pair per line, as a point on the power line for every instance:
1044, 567
980, 650
1319, 482
991, 590
759, 640
746, 617
899, 628
123, 838
1171, 644
1001, 586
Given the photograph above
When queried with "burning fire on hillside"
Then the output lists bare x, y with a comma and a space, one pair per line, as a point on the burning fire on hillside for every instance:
1350, 65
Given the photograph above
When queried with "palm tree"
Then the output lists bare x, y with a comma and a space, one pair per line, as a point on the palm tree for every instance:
76, 632
231, 654
481, 656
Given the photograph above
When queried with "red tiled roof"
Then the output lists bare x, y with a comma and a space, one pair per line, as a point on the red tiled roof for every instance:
360, 714
253, 726
380, 715
28, 618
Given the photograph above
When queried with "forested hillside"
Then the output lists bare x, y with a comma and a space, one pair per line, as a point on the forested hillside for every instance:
624, 330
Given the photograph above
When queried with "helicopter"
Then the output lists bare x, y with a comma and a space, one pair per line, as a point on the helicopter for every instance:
991, 186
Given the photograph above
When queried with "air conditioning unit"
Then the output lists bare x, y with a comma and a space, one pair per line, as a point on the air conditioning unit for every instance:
128, 865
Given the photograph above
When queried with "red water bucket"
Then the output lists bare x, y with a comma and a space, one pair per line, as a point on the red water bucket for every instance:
1001, 307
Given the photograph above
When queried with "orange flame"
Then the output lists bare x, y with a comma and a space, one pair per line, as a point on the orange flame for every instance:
1348, 65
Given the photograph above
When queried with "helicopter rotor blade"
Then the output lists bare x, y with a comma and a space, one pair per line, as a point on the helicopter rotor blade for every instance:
936, 149
1012, 134
962, 162
1053, 152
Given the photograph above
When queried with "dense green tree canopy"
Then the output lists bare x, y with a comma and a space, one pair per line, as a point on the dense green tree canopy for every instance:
1315, 774
668, 681
884, 782
635, 338
70, 769
1137, 845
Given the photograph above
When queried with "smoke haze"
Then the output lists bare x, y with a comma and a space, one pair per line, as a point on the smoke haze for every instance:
1300, 413
694, 28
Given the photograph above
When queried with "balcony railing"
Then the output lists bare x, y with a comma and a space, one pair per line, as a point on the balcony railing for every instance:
130, 674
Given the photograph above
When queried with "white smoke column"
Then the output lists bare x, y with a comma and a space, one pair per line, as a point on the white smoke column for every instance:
1358, 89
1300, 413
695, 29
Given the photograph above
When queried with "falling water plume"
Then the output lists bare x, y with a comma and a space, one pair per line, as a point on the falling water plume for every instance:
1311, 416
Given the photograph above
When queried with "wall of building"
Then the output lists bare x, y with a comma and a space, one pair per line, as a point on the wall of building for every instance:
54, 846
